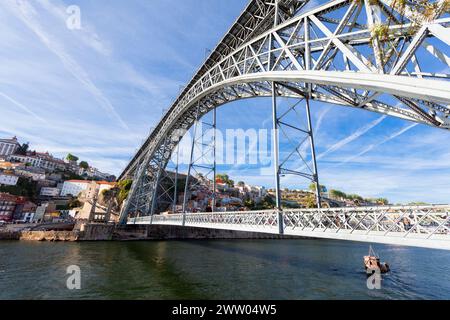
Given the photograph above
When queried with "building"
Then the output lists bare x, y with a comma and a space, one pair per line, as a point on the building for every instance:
44, 212
6, 165
7, 206
40, 160
50, 192
93, 173
36, 174
8, 146
7, 179
25, 210
75, 187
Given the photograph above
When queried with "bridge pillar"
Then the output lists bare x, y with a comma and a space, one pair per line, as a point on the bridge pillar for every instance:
203, 164
276, 159
186, 187
313, 155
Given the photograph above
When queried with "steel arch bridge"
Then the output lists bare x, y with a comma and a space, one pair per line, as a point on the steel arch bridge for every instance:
377, 55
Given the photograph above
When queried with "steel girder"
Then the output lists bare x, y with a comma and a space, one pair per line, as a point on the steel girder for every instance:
331, 53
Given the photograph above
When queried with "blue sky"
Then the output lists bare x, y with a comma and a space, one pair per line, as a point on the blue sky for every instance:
96, 92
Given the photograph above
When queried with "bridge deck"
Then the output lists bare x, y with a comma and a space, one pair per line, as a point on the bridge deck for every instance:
425, 226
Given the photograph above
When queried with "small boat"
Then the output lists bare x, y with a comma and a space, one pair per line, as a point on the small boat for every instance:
372, 263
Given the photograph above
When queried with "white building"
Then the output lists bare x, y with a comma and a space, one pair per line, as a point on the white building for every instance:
8, 179
92, 172
50, 192
35, 174
8, 146
74, 187
40, 160
40, 213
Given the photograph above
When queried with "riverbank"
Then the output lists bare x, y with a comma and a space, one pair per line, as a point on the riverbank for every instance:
89, 232
101, 232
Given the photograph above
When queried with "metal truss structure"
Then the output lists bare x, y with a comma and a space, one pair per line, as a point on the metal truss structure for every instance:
366, 54
204, 138
427, 226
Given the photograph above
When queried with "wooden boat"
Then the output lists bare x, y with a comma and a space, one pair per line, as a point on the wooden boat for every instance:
372, 263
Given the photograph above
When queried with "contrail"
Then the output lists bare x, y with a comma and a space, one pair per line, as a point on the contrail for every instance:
25, 12
21, 106
373, 146
352, 137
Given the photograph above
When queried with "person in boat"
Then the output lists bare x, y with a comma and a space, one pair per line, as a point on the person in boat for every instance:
372, 263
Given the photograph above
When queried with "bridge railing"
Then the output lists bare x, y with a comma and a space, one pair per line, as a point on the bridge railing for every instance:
425, 222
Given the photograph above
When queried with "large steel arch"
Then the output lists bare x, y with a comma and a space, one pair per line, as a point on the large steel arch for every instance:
364, 54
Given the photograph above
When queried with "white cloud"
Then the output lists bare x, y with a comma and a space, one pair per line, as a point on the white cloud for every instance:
28, 15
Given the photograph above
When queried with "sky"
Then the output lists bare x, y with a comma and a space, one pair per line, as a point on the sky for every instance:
97, 92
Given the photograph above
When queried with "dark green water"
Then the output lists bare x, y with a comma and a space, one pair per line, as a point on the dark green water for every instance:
264, 269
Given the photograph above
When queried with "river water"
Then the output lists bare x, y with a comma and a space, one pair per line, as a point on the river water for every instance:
235, 269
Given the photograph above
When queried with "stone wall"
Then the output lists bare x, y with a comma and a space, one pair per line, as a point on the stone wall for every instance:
161, 232
9, 235
49, 236
97, 232
89, 232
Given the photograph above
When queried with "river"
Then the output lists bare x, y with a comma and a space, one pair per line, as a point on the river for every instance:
235, 269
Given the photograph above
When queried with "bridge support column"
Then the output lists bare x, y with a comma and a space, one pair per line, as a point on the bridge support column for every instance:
202, 162
281, 124
313, 155
186, 187
276, 159
175, 188
214, 199
154, 199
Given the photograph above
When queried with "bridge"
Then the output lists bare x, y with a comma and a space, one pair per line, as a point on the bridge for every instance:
380, 56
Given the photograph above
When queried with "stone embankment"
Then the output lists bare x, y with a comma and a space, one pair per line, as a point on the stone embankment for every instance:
161, 232
103, 232
88, 232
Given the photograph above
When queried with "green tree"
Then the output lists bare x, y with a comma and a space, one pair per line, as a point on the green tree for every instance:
74, 203
84, 165
124, 189
225, 178
312, 187
24, 187
249, 203
71, 157
22, 150
336, 194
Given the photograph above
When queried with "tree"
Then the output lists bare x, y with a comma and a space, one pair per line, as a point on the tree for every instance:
310, 202
337, 195
74, 203
71, 157
267, 203
249, 203
124, 189
22, 150
225, 179
24, 188
382, 201
84, 165
312, 187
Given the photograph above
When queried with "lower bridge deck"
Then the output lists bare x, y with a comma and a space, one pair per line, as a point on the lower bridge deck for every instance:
424, 226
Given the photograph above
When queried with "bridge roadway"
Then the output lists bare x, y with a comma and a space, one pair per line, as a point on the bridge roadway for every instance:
417, 226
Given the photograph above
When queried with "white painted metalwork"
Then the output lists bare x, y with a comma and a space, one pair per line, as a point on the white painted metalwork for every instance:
332, 53
424, 226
